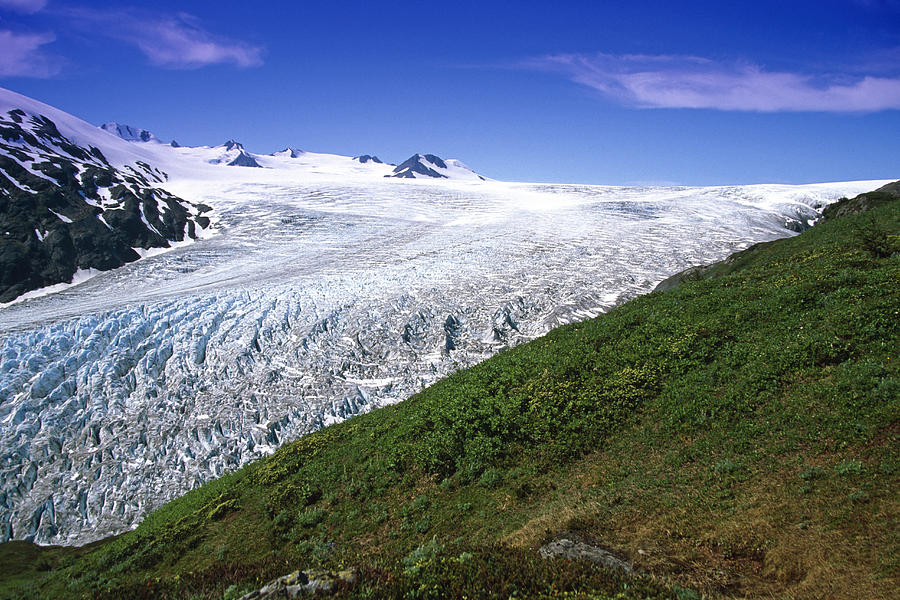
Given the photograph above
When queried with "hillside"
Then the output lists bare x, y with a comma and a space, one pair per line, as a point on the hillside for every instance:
733, 436
70, 203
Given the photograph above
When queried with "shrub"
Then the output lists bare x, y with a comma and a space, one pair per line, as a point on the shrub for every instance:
725, 467
849, 467
876, 239
812, 473
491, 478
311, 517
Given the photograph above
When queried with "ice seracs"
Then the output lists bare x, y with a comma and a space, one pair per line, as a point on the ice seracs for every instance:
430, 166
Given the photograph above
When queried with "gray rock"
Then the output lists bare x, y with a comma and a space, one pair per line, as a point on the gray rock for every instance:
576, 550
300, 583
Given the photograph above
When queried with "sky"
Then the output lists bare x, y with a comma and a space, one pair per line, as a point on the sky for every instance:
619, 93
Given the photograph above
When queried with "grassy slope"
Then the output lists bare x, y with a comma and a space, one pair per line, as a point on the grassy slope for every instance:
735, 436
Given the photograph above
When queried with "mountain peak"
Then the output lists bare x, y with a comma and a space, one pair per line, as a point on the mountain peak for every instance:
290, 152
243, 159
429, 165
129, 133
364, 158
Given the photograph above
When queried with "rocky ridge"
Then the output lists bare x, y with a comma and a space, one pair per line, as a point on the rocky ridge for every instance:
65, 207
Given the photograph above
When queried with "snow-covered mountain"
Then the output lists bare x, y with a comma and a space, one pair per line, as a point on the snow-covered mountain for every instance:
428, 165
232, 153
129, 133
328, 290
65, 207
290, 153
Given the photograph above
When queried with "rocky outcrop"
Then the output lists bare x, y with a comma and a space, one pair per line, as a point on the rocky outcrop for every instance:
302, 583
573, 549
422, 164
234, 155
64, 207
244, 160
368, 158
129, 133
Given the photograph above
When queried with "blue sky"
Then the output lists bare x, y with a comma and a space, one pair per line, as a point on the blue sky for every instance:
588, 92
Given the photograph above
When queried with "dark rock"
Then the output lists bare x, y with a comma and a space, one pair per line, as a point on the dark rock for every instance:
49, 229
451, 332
128, 133
244, 160
368, 158
416, 164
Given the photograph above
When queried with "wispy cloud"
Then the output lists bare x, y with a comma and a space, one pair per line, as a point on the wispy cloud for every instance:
178, 42
181, 43
21, 55
23, 6
694, 82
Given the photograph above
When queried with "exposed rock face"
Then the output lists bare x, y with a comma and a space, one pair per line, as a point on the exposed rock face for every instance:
368, 158
128, 133
423, 164
64, 207
243, 160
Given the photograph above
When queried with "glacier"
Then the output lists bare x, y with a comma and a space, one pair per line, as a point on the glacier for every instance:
319, 297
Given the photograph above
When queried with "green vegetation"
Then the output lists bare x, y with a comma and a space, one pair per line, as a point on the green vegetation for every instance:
736, 435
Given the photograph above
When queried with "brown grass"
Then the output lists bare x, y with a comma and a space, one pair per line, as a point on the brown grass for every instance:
777, 542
